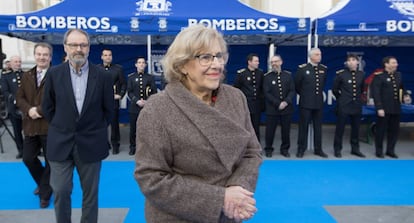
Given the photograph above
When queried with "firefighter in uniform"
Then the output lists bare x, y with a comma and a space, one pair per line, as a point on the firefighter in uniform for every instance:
119, 82
140, 87
279, 92
310, 80
250, 80
387, 90
348, 87
10, 82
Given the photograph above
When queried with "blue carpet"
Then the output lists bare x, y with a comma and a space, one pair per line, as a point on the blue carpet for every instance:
288, 191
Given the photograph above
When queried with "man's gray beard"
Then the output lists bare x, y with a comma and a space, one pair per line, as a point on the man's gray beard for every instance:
79, 61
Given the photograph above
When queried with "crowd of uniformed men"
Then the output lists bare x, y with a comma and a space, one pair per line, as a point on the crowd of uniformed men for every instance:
272, 92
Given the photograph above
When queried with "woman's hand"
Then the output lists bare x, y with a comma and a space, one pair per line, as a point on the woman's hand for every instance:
239, 203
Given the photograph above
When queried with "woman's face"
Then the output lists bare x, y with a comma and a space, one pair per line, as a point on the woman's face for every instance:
205, 71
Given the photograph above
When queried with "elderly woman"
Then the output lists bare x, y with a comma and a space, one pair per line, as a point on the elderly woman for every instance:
197, 156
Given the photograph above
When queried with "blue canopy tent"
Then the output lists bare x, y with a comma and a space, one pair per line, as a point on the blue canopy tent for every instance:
138, 27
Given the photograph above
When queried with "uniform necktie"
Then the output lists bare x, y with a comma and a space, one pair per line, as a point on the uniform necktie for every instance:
39, 77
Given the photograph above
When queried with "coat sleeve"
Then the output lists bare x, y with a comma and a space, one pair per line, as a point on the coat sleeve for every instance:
164, 188
130, 91
49, 99
21, 97
336, 85
246, 171
122, 82
292, 92
376, 92
108, 103
298, 81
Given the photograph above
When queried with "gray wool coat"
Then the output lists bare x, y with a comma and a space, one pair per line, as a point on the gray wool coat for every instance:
188, 152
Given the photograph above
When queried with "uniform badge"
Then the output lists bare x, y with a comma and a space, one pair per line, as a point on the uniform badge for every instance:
307, 72
349, 81
14, 79
136, 79
248, 78
273, 82
388, 79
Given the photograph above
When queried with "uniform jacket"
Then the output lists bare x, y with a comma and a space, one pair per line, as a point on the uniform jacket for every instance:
87, 130
387, 89
10, 82
188, 152
140, 86
348, 87
119, 83
250, 83
309, 84
278, 87
30, 95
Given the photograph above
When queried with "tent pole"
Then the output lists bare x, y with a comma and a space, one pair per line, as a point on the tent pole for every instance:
149, 61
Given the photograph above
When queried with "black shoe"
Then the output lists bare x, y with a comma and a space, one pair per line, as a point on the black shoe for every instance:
131, 152
392, 155
19, 155
268, 154
321, 154
285, 154
44, 203
300, 154
379, 155
358, 153
337, 154
115, 150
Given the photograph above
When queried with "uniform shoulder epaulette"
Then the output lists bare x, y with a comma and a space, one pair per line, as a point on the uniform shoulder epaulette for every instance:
241, 70
324, 66
3, 72
378, 72
131, 74
286, 71
267, 73
303, 65
340, 71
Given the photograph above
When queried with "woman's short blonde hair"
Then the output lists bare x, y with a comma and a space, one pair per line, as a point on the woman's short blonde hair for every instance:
189, 43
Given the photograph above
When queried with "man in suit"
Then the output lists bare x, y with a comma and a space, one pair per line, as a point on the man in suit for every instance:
387, 90
279, 91
310, 80
78, 102
29, 98
250, 80
10, 82
119, 84
140, 87
348, 87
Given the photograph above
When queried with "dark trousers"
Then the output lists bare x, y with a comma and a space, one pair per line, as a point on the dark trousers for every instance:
341, 119
271, 124
255, 118
305, 118
389, 124
40, 174
17, 131
115, 135
133, 129
61, 180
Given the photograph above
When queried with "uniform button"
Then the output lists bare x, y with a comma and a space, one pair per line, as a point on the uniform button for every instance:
353, 99
141, 95
317, 84
354, 85
317, 92
254, 89
353, 94
254, 94
396, 98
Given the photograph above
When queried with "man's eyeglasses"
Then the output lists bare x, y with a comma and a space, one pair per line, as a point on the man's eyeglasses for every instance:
207, 59
76, 45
